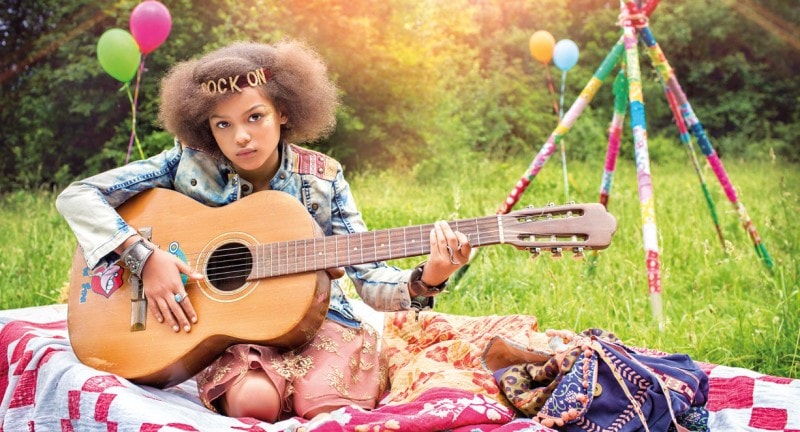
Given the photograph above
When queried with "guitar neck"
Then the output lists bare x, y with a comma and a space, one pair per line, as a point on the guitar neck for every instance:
320, 253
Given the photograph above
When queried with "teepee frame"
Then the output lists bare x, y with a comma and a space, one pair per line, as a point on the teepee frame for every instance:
634, 22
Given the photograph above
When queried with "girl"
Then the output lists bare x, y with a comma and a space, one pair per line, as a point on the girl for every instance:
237, 113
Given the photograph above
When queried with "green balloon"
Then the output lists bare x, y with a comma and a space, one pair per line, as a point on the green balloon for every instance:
118, 54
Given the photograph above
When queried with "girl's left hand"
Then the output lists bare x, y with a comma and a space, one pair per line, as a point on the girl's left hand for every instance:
450, 251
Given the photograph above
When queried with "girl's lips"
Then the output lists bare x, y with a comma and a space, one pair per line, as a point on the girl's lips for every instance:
245, 153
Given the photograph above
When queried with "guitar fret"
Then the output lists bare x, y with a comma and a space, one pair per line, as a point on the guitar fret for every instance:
269, 249
405, 243
335, 258
347, 249
285, 258
305, 256
500, 228
294, 259
276, 258
335, 241
389, 237
419, 228
283, 252
321, 253
272, 260
375, 248
282, 248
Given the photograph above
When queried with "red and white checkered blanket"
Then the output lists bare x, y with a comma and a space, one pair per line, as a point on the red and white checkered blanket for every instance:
45, 388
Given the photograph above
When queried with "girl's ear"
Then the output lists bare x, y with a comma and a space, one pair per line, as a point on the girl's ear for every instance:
284, 119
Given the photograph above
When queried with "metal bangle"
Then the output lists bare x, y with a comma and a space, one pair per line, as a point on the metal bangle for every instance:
135, 255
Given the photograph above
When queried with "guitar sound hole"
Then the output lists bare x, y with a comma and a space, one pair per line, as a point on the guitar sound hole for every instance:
228, 266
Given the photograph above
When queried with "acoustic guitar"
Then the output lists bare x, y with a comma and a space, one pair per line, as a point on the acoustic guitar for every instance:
263, 259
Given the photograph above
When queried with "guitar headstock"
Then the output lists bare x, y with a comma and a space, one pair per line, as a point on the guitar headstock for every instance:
571, 227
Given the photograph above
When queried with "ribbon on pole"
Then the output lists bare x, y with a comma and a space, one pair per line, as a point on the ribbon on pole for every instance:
643, 174
667, 74
687, 141
620, 89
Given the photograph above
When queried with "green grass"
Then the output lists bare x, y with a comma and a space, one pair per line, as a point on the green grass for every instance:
722, 305
37, 249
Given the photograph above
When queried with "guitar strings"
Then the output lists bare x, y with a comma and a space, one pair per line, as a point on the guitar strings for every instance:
237, 264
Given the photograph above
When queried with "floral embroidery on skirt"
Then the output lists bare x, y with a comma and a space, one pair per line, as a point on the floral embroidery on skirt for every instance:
339, 367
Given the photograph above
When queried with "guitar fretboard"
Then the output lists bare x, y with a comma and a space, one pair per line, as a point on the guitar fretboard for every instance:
299, 256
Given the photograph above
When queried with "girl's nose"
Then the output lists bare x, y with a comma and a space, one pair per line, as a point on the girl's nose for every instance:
242, 137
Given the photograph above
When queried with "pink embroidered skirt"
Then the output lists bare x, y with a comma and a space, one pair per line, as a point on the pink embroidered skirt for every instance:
339, 367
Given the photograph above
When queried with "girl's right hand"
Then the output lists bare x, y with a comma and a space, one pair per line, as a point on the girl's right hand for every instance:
163, 288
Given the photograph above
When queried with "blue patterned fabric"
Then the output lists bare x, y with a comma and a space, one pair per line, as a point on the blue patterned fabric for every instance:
602, 385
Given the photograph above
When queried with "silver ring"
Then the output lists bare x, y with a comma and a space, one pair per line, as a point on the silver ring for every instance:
450, 251
180, 297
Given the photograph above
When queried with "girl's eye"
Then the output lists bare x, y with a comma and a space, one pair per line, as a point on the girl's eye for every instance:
256, 116
222, 124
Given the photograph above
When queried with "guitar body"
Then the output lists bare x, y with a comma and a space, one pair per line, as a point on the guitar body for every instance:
111, 329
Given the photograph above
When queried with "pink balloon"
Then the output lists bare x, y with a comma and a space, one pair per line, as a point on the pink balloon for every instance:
150, 25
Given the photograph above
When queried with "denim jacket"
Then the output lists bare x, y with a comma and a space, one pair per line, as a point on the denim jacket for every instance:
314, 179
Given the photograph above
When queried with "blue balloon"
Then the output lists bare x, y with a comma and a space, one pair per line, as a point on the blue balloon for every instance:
565, 54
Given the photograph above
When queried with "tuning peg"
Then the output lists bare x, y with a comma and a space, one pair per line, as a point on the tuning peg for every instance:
535, 252
551, 204
577, 253
556, 253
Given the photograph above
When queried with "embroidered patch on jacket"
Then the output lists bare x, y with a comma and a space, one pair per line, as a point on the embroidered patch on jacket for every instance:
314, 163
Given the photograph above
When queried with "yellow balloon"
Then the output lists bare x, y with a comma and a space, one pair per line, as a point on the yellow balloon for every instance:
541, 45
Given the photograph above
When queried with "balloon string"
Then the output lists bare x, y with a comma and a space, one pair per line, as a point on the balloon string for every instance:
556, 111
134, 104
563, 147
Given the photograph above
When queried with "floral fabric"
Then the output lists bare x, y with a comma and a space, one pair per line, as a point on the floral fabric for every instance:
433, 350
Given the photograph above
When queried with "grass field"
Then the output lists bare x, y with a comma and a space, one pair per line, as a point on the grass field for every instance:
721, 303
